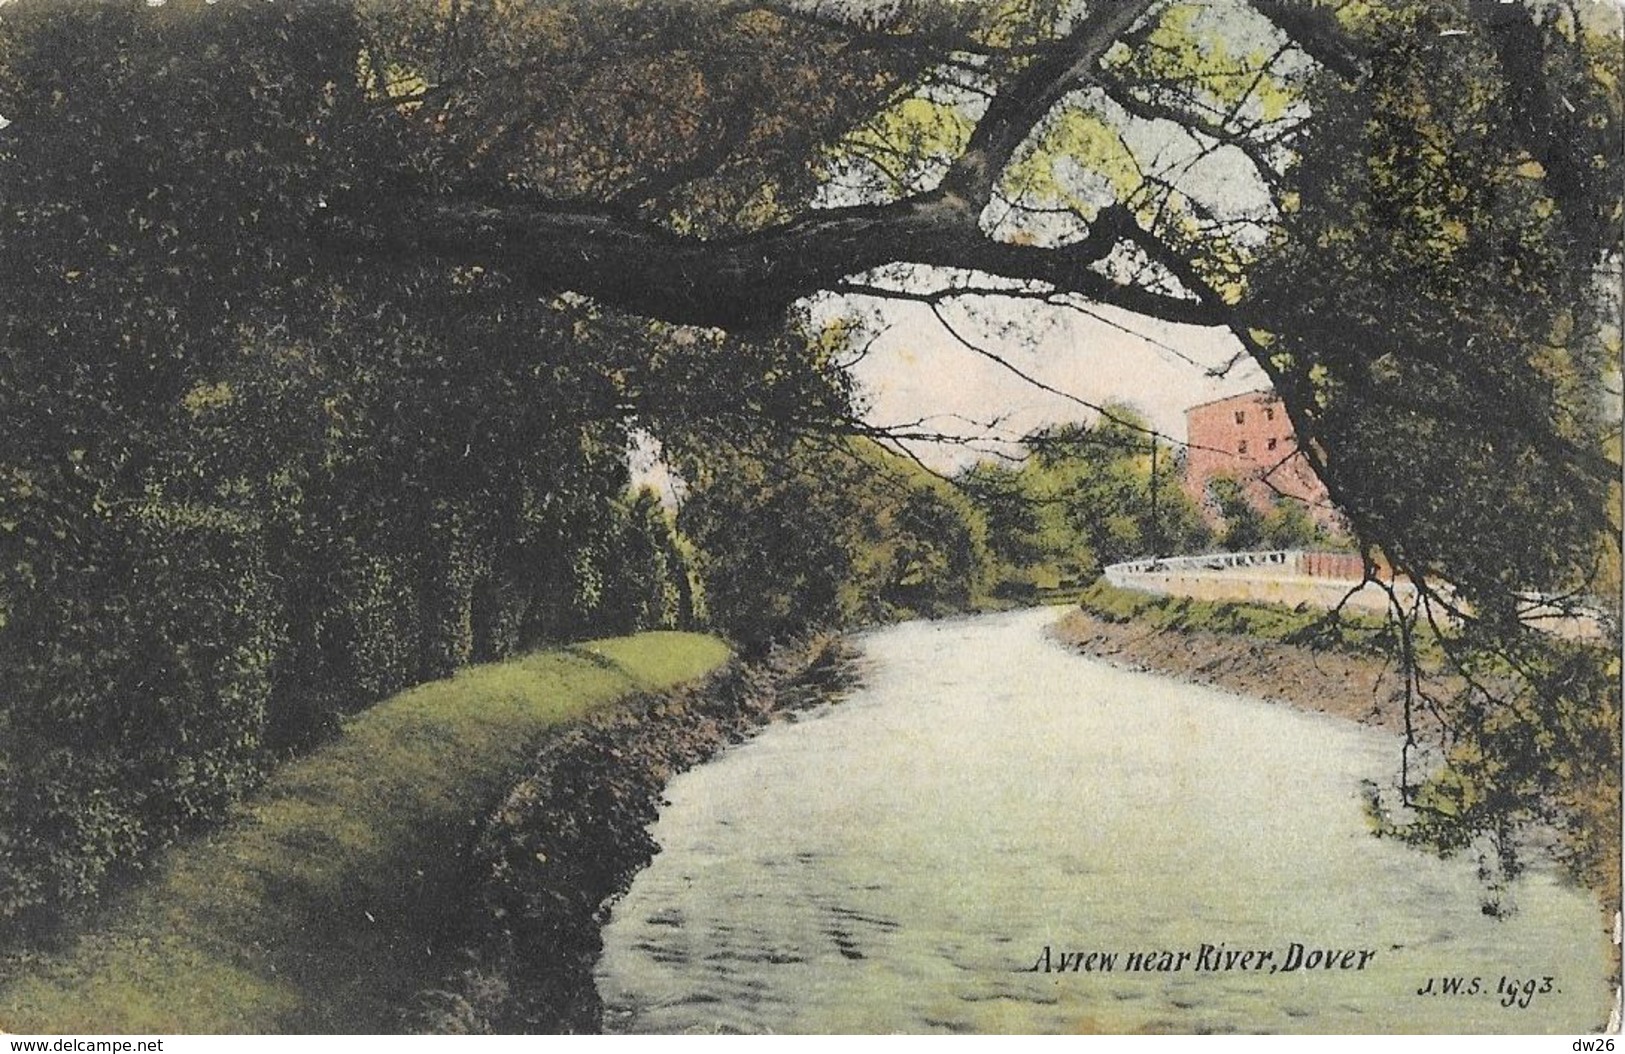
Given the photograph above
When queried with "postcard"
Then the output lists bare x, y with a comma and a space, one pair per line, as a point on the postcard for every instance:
809, 517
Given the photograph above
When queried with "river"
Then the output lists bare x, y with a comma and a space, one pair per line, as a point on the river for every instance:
989, 802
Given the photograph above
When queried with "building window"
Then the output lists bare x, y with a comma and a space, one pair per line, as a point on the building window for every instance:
1271, 444
1269, 413
1241, 447
1241, 417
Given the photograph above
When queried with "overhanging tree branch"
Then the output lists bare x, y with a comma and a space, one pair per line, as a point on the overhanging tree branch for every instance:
748, 279
1315, 30
1015, 112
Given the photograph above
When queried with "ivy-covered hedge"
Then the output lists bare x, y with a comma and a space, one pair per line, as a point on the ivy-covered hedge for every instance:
136, 698
145, 694
250, 484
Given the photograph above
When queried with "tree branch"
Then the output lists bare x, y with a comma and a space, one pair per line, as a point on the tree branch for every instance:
1016, 110
1315, 31
746, 280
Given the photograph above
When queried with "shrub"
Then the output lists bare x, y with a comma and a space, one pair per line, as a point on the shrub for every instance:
134, 712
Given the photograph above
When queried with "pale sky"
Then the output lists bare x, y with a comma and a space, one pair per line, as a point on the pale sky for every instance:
918, 369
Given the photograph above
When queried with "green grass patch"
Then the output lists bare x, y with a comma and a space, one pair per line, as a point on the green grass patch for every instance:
1349, 632
317, 908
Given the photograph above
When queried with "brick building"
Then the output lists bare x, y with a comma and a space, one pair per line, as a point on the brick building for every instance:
1249, 438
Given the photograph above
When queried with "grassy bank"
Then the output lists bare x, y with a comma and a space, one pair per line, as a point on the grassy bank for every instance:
1301, 656
319, 908
1351, 633
571, 836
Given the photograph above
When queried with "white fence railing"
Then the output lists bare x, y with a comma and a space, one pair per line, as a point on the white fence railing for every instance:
1283, 560
1298, 576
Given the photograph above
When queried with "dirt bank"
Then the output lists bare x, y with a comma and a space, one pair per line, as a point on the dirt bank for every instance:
570, 837
1358, 688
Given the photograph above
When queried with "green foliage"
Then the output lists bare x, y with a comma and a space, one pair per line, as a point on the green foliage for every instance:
1086, 497
1432, 315
1536, 743
709, 115
1284, 524
138, 691
1354, 634
253, 480
650, 587
1287, 525
921, 549
1243, 526
769, 539
251, 485
1102, 478
1437, 314
802, 533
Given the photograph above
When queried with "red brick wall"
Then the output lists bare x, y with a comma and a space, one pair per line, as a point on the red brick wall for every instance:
1248, 437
